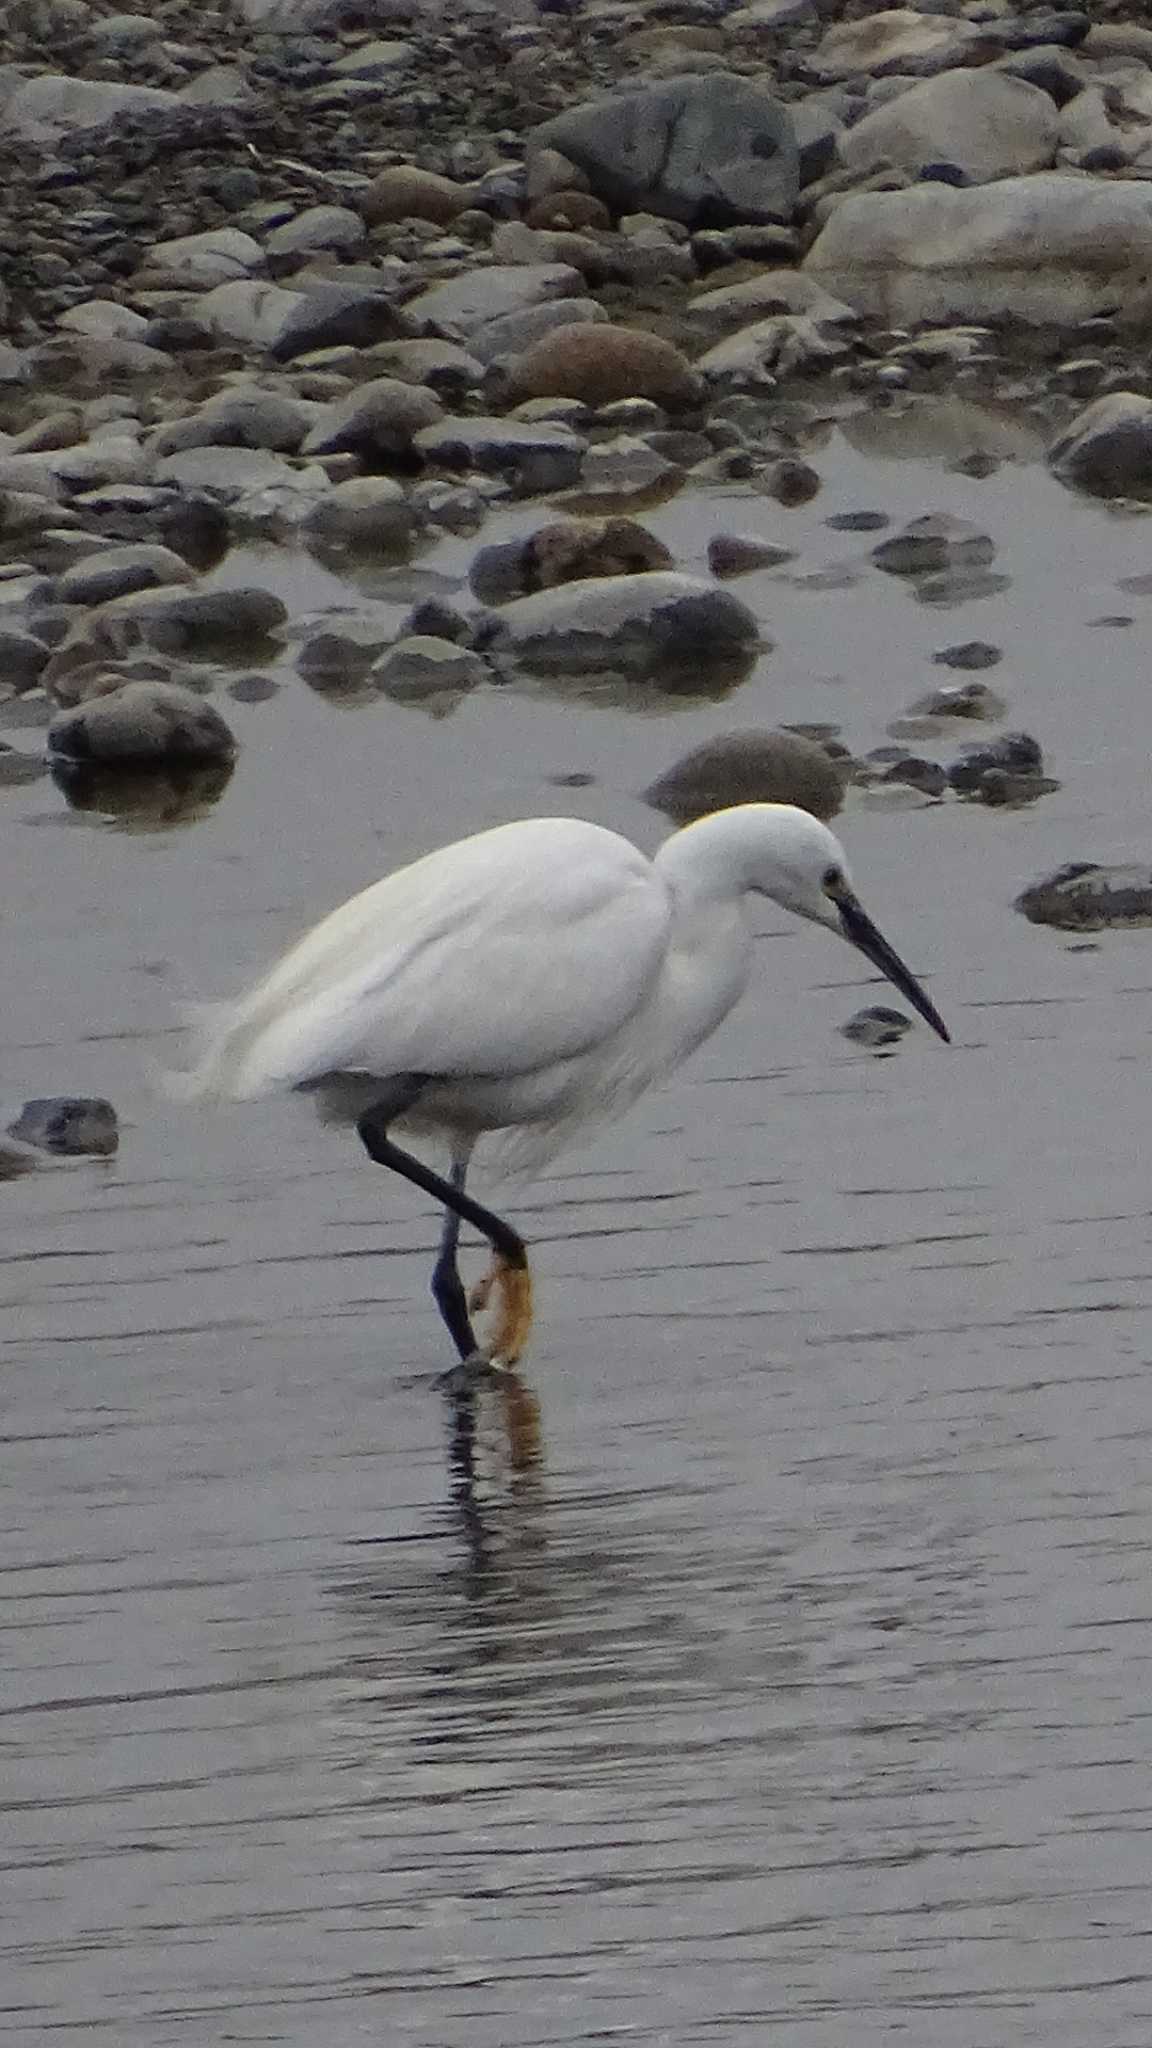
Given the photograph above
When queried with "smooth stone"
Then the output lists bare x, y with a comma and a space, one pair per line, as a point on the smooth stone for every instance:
788, 344
624, 467
229, 473
937, 541
532, 459
425, 666
116, 571
1084, 896
643, 625
237, 419
338, 659
334, 315
368, 512
602, 363
876, 1027
405, 193
218, 256
773, 291
700, 150
174, 619
318, 227
72, 1125
1049, 249
960, 700
1017, 752
462, 305
566, 551
735, 554
889, 40
250, 311
49, 106
969, 654
959, 585
514, 333
142, 722
441, 365
378, 59
377, 421
988, 124
105, 319
1107, 449
911, 771
754, 767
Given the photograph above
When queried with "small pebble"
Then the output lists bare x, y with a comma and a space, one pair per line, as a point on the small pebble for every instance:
969, 654
876, 1027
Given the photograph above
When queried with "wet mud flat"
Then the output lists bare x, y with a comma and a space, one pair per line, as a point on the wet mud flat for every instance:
786, 1674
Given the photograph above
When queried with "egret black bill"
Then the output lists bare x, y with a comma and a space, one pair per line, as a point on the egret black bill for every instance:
858, 926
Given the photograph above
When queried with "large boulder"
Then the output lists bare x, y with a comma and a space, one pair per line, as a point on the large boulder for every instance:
1050, 249
986, 123
1107, 449
706, 150
640, 625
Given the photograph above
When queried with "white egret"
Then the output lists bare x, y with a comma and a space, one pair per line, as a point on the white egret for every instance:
525, 982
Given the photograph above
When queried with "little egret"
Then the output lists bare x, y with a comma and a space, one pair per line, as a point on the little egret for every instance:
529, 981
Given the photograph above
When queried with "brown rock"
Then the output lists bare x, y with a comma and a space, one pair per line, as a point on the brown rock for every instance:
567, 551
569, 210
749, 768
601, 363
406, 193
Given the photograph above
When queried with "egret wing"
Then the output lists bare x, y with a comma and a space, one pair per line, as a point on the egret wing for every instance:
500, 955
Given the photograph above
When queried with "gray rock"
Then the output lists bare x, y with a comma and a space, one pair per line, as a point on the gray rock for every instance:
532, 459
515, 332
969, 654
72, 1125
377, 421
104, 319
337, 660
624, 467
237, 419
369, 512
1050, 249
23, 659
250, 311
115, 571
173, 619
735, 554
335, 315
143, 723
461, 306
441, 365
771, 292
423, 666
1084, 896
1107, 449
960, 700
937, 541
218, 256
891, 40
229, 473
877, 1027
318, 227
374, 60
1015, 752
705, 150
49, 106
754, 767
986, 123
644, 625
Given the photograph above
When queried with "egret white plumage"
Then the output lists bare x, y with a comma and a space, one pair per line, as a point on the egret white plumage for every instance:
525, 983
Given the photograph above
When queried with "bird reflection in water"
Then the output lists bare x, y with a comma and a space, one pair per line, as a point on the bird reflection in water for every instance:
495, 1460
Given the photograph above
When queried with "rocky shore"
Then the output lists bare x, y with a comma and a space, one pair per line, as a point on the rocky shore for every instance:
351, 278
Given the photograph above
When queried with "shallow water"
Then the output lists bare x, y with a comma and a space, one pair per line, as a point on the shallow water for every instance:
795, 1685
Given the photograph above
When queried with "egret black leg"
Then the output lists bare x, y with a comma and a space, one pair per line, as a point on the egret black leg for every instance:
513, 1278
447, 1287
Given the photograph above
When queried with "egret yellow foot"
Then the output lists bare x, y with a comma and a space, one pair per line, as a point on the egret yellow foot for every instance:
511, 1323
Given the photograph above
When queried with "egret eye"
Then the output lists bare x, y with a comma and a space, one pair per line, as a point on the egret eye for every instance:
833, 881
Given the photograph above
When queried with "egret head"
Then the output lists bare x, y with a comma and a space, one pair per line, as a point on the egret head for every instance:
804, 868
